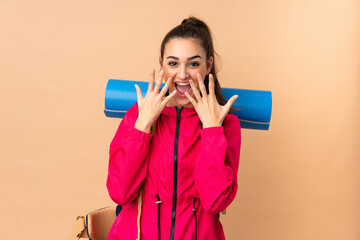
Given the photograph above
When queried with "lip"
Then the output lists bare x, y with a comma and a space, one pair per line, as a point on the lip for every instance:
182, 94
184, 83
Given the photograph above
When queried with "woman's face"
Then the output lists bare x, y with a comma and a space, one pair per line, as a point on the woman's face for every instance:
183, 59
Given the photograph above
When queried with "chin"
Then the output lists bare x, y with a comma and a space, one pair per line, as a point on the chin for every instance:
183, 103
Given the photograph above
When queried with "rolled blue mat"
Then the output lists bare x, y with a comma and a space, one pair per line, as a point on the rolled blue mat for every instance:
254, 105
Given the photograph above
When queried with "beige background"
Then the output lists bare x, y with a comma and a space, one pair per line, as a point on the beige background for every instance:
299, 180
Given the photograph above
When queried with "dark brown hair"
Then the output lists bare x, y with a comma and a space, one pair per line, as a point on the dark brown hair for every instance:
197, 29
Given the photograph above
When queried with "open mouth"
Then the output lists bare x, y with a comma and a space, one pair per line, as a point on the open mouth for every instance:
182, 88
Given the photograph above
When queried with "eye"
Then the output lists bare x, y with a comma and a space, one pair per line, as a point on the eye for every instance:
172, 64
194, 64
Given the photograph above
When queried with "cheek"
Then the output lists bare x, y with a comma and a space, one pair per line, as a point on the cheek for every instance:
167, 72
195, 79
197, 85
201, 71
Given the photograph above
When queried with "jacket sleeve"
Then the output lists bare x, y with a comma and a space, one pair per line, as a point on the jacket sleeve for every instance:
128, 160
217, 166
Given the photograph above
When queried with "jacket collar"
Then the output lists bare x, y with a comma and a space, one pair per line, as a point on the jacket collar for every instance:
185, 112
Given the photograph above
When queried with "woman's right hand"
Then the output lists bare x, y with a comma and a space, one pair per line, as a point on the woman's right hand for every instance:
154, 102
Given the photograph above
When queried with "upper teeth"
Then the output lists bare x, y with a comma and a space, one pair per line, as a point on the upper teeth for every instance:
182, 84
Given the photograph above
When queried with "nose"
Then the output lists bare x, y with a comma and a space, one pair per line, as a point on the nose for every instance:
183, 74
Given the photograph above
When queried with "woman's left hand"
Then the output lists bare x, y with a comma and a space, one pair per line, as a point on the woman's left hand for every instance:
210, 112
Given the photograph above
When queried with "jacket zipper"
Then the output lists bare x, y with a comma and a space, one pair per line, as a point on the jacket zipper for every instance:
178, 118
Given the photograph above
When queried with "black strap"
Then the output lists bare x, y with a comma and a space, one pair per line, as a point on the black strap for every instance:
118, 209
158, 203
194, 210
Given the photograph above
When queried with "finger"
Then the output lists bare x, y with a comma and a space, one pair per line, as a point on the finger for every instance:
195, 91
166, 87
191, 99
211, 85
168, 98
152, 80
202, 86
159, 81
230, 102
138, 93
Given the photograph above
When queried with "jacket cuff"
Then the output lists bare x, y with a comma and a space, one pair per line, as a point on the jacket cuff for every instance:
135, 134
212, 131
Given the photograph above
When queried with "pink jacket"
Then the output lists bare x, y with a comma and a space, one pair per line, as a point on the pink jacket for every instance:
187, 175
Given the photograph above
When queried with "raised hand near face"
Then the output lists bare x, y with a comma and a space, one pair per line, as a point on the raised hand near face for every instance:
210, 112
154, 102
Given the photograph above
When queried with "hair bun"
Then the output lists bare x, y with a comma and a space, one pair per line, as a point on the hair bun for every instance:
191, 21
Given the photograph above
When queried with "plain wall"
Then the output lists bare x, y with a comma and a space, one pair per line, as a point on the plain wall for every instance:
299, 180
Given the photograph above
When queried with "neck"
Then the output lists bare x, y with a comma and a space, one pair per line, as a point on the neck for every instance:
173, 103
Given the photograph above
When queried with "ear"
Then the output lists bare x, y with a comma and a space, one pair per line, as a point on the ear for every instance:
160, 60
210, 65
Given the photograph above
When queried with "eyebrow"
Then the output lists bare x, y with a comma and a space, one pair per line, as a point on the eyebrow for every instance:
190, 58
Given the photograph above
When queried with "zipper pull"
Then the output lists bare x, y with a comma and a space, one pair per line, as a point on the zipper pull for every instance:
178, 110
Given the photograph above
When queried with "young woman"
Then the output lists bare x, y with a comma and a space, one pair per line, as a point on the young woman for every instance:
175, 157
